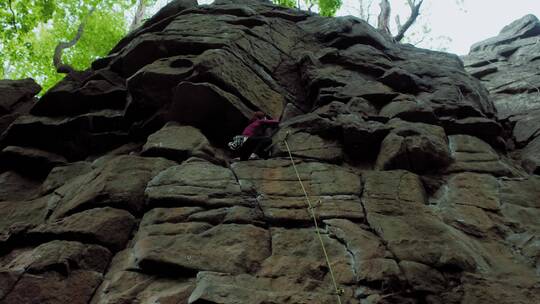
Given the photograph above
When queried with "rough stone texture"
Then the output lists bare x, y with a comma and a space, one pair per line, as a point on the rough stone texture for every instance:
18, 217
197, 182
508, 66
422, 185
119, 182
105, 226
54, 272
16, 98
417, 147
62, 174
178, 143
122, 284
228, 248
333, 190
471, 154
16, 187
32, 162
215, 287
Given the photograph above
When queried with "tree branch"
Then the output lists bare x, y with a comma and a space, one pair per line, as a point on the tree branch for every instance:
370, 3
398, 23
415, 12
57, 59
362, 10
14, 20
383, 23
139, 14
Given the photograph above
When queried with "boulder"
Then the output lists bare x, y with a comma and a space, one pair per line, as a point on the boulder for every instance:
30, 161
60, 256
118, 183
76, 97
121, 284
196, 182
227, 248
60, 175
105, 226
73, 137
305, 145
18, 217
402, 81
16, 187
178, 143
16, 99
53, 272
409, 109
417, 147
17, 95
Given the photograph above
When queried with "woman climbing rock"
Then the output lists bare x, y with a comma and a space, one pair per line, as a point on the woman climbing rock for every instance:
255, 138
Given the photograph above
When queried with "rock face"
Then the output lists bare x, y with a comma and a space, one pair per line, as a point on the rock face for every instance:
16, 99
118, 186
509, 66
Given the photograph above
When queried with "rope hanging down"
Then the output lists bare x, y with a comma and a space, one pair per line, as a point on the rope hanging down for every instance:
311, 208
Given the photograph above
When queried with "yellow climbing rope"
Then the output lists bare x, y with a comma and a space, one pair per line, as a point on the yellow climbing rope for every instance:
311, 208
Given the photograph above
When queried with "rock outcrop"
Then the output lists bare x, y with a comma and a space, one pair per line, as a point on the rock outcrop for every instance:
118, 186
16, 99
509, 66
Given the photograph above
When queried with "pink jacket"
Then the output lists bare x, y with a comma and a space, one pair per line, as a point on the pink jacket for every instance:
251, 129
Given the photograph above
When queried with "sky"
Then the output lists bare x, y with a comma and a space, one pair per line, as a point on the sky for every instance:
454, 27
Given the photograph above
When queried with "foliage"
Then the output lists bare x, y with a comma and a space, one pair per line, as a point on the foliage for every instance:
32, 29
287, 3
325, 7
329, 7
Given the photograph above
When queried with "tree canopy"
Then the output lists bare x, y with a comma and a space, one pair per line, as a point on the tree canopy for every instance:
324, 7
32, 29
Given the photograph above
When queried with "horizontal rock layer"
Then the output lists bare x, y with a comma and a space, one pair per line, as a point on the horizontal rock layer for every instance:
508, 65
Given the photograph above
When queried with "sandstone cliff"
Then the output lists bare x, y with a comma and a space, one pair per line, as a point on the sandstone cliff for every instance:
117, 187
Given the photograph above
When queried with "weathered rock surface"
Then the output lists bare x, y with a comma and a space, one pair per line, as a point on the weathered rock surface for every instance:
16, 99
333, 189
179, 143
508, 66
117, 187
417, 147
53, 272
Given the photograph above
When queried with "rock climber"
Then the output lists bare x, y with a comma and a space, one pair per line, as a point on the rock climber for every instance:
255, 138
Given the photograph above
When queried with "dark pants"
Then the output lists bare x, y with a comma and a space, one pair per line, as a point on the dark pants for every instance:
257, 145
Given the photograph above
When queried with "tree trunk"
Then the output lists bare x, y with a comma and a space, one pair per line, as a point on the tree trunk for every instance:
57, 59
139, 15
384, 17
